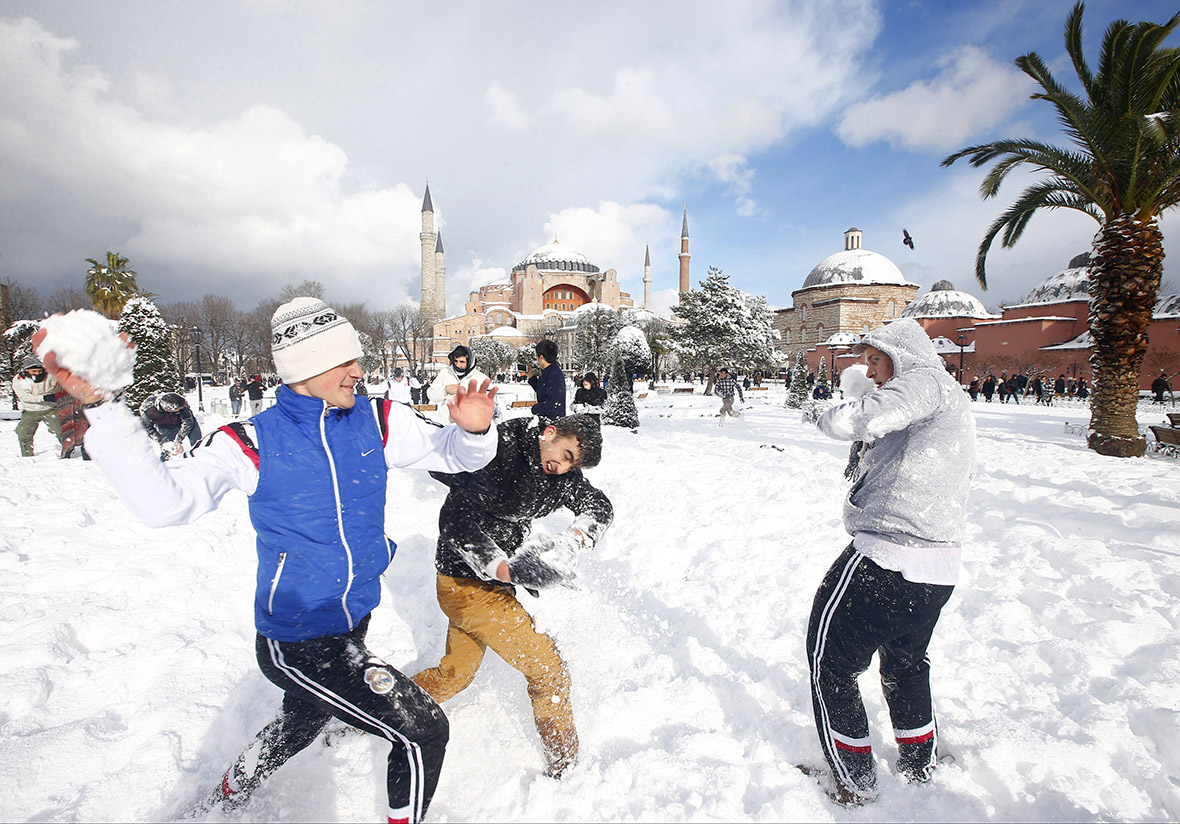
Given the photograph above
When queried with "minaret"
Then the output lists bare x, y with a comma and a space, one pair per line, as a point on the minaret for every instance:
684, 255
440, 276
433, 308
647, 278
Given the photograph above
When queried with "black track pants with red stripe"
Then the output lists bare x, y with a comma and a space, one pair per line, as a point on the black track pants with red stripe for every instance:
860, 609
337, 676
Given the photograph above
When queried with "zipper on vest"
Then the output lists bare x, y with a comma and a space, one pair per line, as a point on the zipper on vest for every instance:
339, 519
274, 584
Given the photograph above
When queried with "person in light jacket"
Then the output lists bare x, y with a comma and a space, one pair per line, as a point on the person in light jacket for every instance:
37, 392
906, 512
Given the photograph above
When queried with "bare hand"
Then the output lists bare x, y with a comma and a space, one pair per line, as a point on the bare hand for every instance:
70, 382
502, 573
472, 408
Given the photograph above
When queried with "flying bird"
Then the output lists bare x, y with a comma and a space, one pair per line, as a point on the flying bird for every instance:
906, 239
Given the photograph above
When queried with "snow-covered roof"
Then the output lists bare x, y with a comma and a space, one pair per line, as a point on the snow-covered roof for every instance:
946, 346
855, 266
506, 332
843, 339
556, 257
1167, 307
1082, 341
593, 306
1069, 284
945, 301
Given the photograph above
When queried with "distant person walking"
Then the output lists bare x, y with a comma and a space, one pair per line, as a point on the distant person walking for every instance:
254, 393
1160, 385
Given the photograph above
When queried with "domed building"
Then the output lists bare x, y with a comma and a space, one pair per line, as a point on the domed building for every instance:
852, 291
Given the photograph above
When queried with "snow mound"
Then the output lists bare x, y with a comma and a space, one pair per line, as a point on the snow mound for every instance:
88, 344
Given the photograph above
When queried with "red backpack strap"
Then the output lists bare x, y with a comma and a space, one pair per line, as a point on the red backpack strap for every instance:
237, 431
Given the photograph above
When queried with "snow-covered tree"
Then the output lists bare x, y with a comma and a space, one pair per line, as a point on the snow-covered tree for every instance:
631, 345
597, 326
724, 327
821, 377
155, 370
797, 394
492, 355
620, 403
370, 359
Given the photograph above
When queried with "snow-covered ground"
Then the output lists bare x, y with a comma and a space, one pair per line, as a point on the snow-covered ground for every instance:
128, 683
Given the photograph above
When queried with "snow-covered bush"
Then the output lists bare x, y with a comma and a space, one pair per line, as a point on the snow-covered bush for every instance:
155, 370
598, 325
631, 345
492, 355
620, 403
797, 394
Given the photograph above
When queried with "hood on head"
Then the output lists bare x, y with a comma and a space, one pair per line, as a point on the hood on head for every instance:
907, 345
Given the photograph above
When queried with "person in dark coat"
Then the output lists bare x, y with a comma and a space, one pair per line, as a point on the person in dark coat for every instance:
590, 397
1160, 385
482, 555
550, 384
169, 420
254, 393
989, 387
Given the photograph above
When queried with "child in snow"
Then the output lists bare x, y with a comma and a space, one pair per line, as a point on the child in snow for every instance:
168, 419
906, 511
482, 554
725, 389
314, 467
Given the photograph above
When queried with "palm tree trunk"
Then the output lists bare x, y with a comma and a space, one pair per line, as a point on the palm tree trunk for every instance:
1125, 271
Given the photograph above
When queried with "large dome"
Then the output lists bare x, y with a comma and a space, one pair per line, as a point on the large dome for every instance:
855, 266
557, 258
1069, 284
944, 301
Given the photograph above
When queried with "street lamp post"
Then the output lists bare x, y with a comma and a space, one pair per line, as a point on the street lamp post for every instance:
962, 343
196, 335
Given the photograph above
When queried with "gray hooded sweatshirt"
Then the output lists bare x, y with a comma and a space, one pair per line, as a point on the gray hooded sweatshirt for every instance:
913, 478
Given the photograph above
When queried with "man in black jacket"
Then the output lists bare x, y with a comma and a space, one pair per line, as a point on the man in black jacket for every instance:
549, 384
482, 555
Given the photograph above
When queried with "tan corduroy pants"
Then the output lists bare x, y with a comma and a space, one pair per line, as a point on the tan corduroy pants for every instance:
484, 616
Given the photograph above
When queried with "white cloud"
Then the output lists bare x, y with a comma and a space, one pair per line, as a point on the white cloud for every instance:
733, 170
613, 236
971, 94
504, 112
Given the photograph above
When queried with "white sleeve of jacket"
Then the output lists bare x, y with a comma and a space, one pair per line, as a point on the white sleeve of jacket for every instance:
416, 443
899, 403
164, 494
436, 393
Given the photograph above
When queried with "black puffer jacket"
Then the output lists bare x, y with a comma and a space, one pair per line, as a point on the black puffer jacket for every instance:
490, 512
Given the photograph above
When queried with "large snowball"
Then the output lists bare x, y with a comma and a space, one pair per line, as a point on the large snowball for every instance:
88, 344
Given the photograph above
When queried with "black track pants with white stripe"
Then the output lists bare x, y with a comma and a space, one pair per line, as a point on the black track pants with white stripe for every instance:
860, 609
338, 676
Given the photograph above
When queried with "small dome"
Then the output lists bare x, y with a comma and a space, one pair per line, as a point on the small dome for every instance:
945, 302
506, 332
855, 266
1069, 284
1167, 307
593, 306
557, 258
843, 339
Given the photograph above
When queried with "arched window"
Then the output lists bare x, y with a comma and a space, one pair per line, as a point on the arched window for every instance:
864, 329
786, 336
819, 334
890, 309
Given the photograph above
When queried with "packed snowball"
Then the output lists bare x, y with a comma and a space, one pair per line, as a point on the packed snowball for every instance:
88, 344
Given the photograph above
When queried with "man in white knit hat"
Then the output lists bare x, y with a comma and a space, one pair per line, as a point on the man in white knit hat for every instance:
314, 467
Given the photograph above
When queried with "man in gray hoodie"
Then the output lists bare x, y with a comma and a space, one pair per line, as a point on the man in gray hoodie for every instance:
906, 511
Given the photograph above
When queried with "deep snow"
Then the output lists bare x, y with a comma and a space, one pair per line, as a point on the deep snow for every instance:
128, 683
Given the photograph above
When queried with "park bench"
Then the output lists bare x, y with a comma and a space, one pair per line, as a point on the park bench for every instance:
757, 389
1173, 418
522, 404
425, 407
1167, 440
681, 390
641, 396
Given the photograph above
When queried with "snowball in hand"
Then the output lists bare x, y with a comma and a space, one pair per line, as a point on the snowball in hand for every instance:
88, 344
855, 383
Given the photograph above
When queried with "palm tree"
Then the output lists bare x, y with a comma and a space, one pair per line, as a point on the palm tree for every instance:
110, 284
1122, 169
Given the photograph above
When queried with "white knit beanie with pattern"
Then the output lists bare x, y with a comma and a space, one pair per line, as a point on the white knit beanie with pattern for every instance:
309, 337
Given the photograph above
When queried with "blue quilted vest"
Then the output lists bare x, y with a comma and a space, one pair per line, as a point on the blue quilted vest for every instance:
319, 511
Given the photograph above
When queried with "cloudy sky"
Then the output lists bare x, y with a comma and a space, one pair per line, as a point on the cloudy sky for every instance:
234, 146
